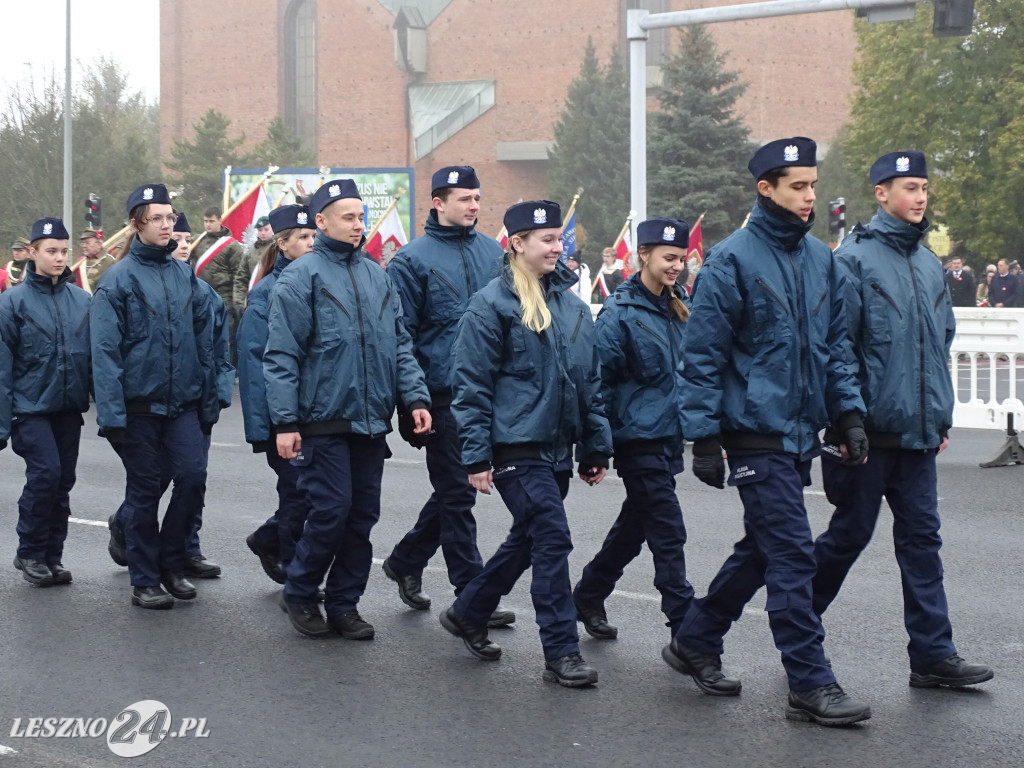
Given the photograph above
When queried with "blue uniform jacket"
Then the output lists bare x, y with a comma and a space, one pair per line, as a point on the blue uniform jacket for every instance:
901, 324
436, 275
766, 360
252, 340
44, 354
520, 394
338, 355
225, 372
640, 350
151, 327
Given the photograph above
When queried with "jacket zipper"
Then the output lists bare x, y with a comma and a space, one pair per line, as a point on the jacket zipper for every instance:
773, 294
37, 325
170, 340
61, 341
384, 305
939, 299
576, 331
362, 346
920, 339
821, 301
881, 292
465, 268
337, 303
650, 331
801, 341
441, 277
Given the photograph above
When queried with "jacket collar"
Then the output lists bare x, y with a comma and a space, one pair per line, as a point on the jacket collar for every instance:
437, 230
336, 250
151, 254
779, 227
43, 282
895, 233
631, 293
280, 263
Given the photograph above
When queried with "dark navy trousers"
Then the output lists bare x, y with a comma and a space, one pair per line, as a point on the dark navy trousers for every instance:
533, 493
907, 480
446, 520
282, 530
341, 476
154, 445
192, 548
650, 513
777, 552
49, 445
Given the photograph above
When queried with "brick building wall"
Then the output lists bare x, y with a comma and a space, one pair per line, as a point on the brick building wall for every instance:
228, 56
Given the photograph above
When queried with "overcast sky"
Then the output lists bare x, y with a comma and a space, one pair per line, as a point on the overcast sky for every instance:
127, 31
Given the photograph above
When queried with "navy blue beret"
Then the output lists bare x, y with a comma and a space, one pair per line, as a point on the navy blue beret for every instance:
783, 153
533, 214
662, 231
462, 176
49, 227
899, 164
146, 194
329, 191
291, 217
181, 225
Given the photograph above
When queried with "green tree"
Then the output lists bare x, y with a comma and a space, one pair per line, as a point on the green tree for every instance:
958, 101
280, 147
114, 148
836, 179
591, 151
198, 165
697, 149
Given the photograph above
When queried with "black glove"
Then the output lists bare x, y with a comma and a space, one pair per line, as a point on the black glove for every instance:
708, 464
115, 437
407, 429
3, 444
593, 464
206, 427
856, 441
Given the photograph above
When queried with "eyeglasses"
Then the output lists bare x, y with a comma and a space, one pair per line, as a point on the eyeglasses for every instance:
161, 220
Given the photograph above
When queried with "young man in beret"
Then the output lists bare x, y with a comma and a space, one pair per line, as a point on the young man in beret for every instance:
768, 366
336, 310
901, 325
436, 275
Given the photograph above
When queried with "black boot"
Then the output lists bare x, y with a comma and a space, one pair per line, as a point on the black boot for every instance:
704, 668
351, 626
178, 585
201, 568
269, 560
410, 588
61, 575
828, 705
34, 571
475, 638
155, 598
501, 617
953, 672
116, 547
571, 671
595, 620
306, 618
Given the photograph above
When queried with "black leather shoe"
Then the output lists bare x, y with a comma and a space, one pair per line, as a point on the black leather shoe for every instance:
475, 638
953, 672
34, 571
410, 588
269, 560
201, 568
502, 617
828, 705
704, 668
571, 671
178, 585
116, 547
61, 575
155, 598
306, 618
351, 626
595, 620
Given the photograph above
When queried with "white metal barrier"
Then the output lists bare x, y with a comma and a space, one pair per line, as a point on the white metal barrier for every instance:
986, 363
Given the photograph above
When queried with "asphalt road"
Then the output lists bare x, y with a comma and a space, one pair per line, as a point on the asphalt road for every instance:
415, 697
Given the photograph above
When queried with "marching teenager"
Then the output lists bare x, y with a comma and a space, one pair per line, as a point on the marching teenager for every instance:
337, 356
436, 276
767, 366
526, 391
274, 541
901, 324
639, 339
44, 389
155, 379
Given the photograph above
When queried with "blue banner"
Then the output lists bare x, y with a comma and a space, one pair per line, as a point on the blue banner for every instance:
569, 238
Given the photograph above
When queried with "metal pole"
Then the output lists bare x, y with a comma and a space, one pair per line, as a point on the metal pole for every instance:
67, 120
762, 11
637, 37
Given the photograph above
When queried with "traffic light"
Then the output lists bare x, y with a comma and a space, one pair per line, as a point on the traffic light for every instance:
833, 218
93, 211
841, 213
953, 18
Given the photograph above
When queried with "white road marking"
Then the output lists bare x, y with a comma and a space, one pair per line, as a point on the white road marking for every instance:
226, 445
7, 750
83, 521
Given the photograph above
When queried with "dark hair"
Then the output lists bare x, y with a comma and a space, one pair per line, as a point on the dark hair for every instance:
270, 255
213, 210
441, 193
136, 214
773, 176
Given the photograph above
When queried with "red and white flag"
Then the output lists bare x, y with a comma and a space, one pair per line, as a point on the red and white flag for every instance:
244, 213
695, 251
389, 237
502, 238
624, 253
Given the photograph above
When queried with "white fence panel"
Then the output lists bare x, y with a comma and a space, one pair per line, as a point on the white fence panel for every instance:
987, 366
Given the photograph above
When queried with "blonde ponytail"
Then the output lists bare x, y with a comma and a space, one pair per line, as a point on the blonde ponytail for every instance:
536, 315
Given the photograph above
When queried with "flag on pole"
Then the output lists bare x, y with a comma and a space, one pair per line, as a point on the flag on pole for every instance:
241, 217
696, 247
569, 238
624, 252
81, 276
502, 238
389, 237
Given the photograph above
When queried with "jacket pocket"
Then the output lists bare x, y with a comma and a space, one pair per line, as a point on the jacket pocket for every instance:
444, 298
519, 360
328, 319
649, 349
138, 319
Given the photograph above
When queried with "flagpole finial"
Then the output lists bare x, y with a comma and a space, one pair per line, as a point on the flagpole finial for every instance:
324, 170
271, 170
